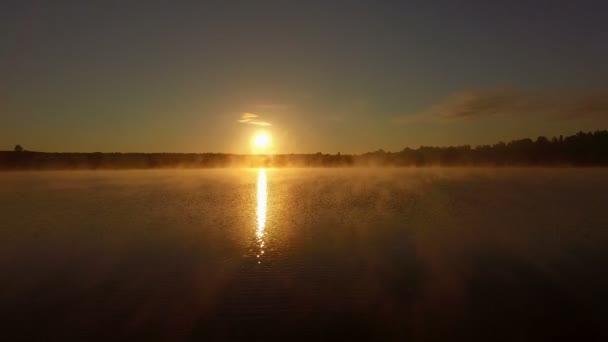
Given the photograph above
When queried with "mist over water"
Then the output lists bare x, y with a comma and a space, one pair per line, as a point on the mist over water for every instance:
426, 254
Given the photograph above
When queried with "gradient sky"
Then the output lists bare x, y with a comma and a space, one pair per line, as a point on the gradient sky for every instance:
331, 76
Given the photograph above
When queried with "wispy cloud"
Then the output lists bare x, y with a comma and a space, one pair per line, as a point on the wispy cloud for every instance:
558, 104
252, 119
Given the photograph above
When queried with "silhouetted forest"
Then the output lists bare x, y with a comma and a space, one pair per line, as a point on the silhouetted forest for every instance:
581, 149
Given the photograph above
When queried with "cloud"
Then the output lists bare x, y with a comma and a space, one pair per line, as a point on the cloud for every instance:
252, 119
248, 116
559, 104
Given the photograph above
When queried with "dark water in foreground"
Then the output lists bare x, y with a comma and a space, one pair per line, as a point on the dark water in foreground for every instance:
420, 254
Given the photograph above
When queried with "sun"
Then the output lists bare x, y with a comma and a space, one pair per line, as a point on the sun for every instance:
261, 141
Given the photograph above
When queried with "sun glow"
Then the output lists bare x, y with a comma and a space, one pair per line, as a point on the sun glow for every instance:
261, 142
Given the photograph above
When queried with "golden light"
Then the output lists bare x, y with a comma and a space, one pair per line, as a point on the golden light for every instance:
262, 200
261, 211
261, 141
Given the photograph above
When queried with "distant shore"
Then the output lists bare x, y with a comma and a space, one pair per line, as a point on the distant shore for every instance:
581, 149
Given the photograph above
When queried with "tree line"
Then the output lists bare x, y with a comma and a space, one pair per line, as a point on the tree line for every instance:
581, 149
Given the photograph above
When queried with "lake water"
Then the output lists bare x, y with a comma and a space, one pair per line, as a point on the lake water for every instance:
417, 254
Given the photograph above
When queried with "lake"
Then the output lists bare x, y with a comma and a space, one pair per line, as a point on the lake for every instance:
385, 254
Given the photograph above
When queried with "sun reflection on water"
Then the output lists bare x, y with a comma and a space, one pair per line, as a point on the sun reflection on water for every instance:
262, 199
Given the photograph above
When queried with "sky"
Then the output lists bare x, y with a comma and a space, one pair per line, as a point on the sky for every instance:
329, 76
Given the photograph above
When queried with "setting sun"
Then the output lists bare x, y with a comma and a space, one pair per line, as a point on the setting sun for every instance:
261, 141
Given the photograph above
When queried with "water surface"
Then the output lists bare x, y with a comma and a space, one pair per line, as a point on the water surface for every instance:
419, 254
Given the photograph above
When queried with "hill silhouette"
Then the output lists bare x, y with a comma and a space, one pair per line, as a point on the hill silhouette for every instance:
581, 149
